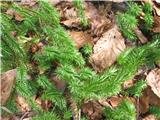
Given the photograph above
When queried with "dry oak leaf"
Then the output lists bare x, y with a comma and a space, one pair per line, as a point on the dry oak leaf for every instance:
153, 80
107, 49
7, 82
81, 38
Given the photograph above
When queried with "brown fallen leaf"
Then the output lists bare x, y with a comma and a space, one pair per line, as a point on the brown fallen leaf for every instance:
22, 104
150, 117
127, 84
93, 109
114, 101
148, 98
60, 85
156, 27
107, 49
7, 83
13, 13
98, 22
75, 23
153, 80
81, 38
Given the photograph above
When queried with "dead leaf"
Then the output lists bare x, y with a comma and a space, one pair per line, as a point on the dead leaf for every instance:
7, 82
114, 101
13, 13
81, 38
153, 80
72, 23
93, 109
22, 104
127, 84
156, 27
28, 2
107, 49
148, 98
140, 35
60, 85
150, 117
97, 21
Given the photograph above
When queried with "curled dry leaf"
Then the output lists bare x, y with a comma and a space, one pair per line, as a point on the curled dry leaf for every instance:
81, 38
107, 49
7, 82
153, 80
114, 101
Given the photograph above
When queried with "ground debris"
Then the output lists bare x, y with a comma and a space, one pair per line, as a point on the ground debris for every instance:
106, 50
153, 80
7, 83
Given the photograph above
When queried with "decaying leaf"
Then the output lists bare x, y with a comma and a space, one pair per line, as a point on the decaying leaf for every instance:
13, 13
114, 101
153, 80
148, 98
60, 85
106, 50
150, 117
156, 27
81, 38
22, 104
128, 84
93, 109
98, 22
7, 82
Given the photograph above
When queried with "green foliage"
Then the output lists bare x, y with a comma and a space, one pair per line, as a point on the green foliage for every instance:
24, 89
155, 110
11, 104
82, 82
46, 116
134, 9
128, 21
137, 89
86, 50
12, 53
127, 24
108, 83
125, 111
51, 93
80, 6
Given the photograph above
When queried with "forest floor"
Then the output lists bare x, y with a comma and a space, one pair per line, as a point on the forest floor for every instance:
101, 38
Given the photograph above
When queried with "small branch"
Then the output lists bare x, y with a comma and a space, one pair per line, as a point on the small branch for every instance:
140, 35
